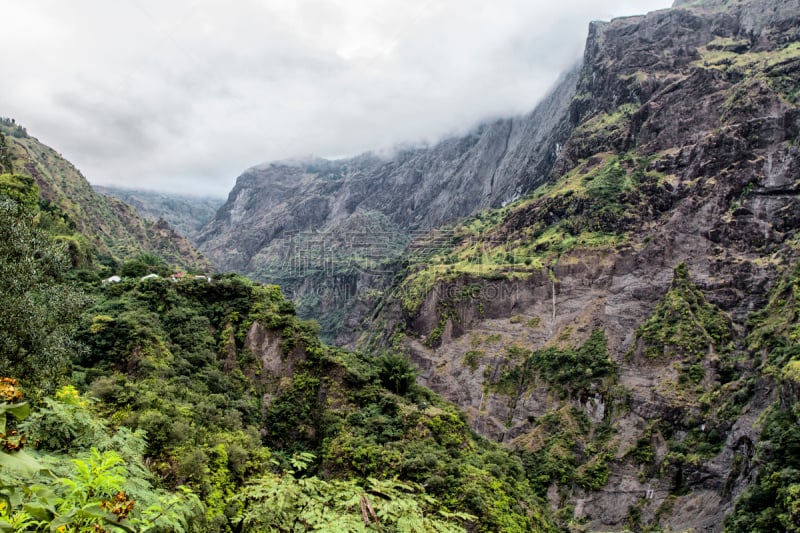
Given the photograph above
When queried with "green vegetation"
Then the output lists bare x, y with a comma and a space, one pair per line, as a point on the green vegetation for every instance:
278, 503
396, 373
570, 370
472, 359
596, 131
563, 446
776, 68
609, 120
207, 405
84, 477
594, 206
38, 309
5, 157
697, 337
534, 322
109, 229
21, 189
772, 502
642, 452
9, 126
685, 326
566, 448
775, 331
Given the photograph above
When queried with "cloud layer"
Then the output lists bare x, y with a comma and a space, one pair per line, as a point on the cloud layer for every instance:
182, 96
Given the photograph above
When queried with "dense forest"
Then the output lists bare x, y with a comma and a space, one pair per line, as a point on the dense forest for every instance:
146, 405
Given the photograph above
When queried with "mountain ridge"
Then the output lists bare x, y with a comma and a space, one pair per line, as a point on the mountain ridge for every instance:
186, 214
668, 224
113, 228
274, 204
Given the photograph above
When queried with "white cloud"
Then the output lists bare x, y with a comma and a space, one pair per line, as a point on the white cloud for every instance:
184, 95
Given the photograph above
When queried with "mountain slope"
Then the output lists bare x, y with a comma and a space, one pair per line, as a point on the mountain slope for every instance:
220, 370
112, 226
333, 228
206, 406
604, 322
187, 214
416, 188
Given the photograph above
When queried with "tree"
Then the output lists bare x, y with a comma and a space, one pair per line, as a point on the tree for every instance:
21, 189
5, 159
396, 372
38, 311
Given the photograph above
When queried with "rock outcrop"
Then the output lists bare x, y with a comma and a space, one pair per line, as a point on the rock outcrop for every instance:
309, 224
670, 213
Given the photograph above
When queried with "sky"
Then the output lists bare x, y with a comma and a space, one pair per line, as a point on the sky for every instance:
182, 96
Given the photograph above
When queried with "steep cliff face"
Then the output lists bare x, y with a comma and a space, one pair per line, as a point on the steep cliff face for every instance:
360, 212
603, 326
417, 188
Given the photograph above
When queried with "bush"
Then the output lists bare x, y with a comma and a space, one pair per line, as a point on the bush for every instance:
65, 426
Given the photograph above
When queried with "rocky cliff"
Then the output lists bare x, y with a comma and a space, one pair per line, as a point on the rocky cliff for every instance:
610, 325
321, 227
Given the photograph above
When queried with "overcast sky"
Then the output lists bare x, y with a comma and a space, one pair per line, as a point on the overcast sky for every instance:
182, 96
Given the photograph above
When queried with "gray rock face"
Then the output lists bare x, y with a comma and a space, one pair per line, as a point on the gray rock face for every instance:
417, 188
707, 95
331, 232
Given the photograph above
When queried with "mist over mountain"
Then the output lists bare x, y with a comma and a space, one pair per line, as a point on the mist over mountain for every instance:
278, 205
635, 221
584, 317
187, 214
183, 96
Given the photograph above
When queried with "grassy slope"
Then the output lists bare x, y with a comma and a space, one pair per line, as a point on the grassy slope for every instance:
113, 227
594, 206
